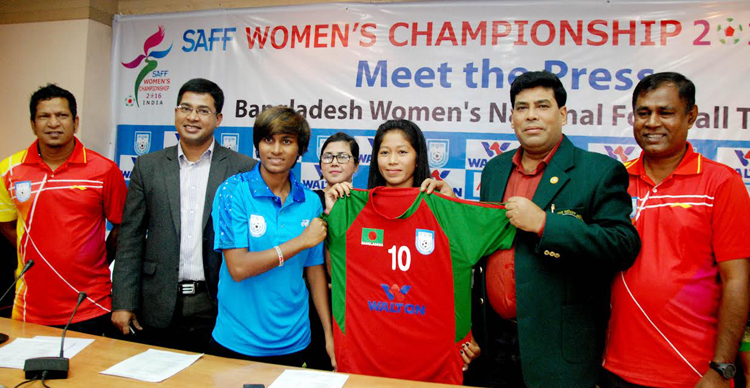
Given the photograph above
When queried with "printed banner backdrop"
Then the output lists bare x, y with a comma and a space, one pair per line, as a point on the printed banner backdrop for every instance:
448, 67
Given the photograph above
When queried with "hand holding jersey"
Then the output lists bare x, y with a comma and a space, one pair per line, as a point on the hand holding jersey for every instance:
525, 214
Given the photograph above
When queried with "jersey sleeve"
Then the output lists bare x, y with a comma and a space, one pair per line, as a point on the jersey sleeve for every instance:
342, 215
315, 256
115, 192
731, 214
230, 217
7, 206
474, 229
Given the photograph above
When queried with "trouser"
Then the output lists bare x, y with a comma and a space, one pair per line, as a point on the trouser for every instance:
191, 327
293, 359
611, 380
503, 364
101, 325
316, 355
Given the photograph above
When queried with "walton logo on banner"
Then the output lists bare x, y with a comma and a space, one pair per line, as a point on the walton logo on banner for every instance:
150, 43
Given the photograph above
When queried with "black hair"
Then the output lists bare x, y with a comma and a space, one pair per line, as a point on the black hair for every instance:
414, 135
281, 119
341, 136
685, 87
49, 92
532, 79
203, 86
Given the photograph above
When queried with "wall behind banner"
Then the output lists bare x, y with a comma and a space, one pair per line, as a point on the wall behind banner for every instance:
75, 54
446, 66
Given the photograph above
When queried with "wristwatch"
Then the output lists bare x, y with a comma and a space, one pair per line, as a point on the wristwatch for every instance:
725, 369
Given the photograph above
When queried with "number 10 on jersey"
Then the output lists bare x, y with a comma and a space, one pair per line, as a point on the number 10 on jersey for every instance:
403, 260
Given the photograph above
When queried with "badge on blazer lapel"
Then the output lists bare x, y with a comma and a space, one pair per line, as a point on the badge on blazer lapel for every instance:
23, 191
257, 225
425, 241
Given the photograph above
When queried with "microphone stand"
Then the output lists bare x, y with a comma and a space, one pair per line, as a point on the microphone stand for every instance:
4, 337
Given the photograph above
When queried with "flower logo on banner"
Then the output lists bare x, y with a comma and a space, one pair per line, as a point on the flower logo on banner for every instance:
149, 57
730, 32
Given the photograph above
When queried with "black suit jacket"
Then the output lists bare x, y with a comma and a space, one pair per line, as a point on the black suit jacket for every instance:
563, 278
148, 246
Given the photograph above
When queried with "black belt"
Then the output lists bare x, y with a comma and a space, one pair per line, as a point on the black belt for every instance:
188, 287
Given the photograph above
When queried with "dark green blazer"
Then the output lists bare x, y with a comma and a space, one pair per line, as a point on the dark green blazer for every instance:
563, 278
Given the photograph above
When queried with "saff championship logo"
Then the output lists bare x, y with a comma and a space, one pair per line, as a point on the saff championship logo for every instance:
729, 32
159, 81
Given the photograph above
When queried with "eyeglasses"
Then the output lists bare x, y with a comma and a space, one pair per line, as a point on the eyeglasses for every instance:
186, 110
342, 158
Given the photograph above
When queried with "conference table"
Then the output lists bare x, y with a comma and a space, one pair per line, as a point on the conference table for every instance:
208, 371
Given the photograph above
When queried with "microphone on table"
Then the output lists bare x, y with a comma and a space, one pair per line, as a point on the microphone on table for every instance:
29, 264
52, 367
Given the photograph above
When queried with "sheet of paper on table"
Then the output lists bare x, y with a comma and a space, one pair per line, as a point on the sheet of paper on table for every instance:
14, 354
152, 365
293, 378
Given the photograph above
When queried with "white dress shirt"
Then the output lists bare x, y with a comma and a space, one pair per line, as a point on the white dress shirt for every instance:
193, 182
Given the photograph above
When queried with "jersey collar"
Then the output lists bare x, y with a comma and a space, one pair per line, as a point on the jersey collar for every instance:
78, 156
397, 192
691, 164
259, 188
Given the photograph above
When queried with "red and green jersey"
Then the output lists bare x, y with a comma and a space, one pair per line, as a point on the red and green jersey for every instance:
401, 273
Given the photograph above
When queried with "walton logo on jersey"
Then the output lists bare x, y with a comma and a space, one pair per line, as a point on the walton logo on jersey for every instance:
479, 152
394, 292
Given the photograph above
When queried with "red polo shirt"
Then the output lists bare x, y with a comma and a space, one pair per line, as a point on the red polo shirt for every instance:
61, 225
665, 307
501, 266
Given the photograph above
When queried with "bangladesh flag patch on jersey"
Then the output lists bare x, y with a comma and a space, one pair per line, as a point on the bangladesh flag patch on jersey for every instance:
372, 237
